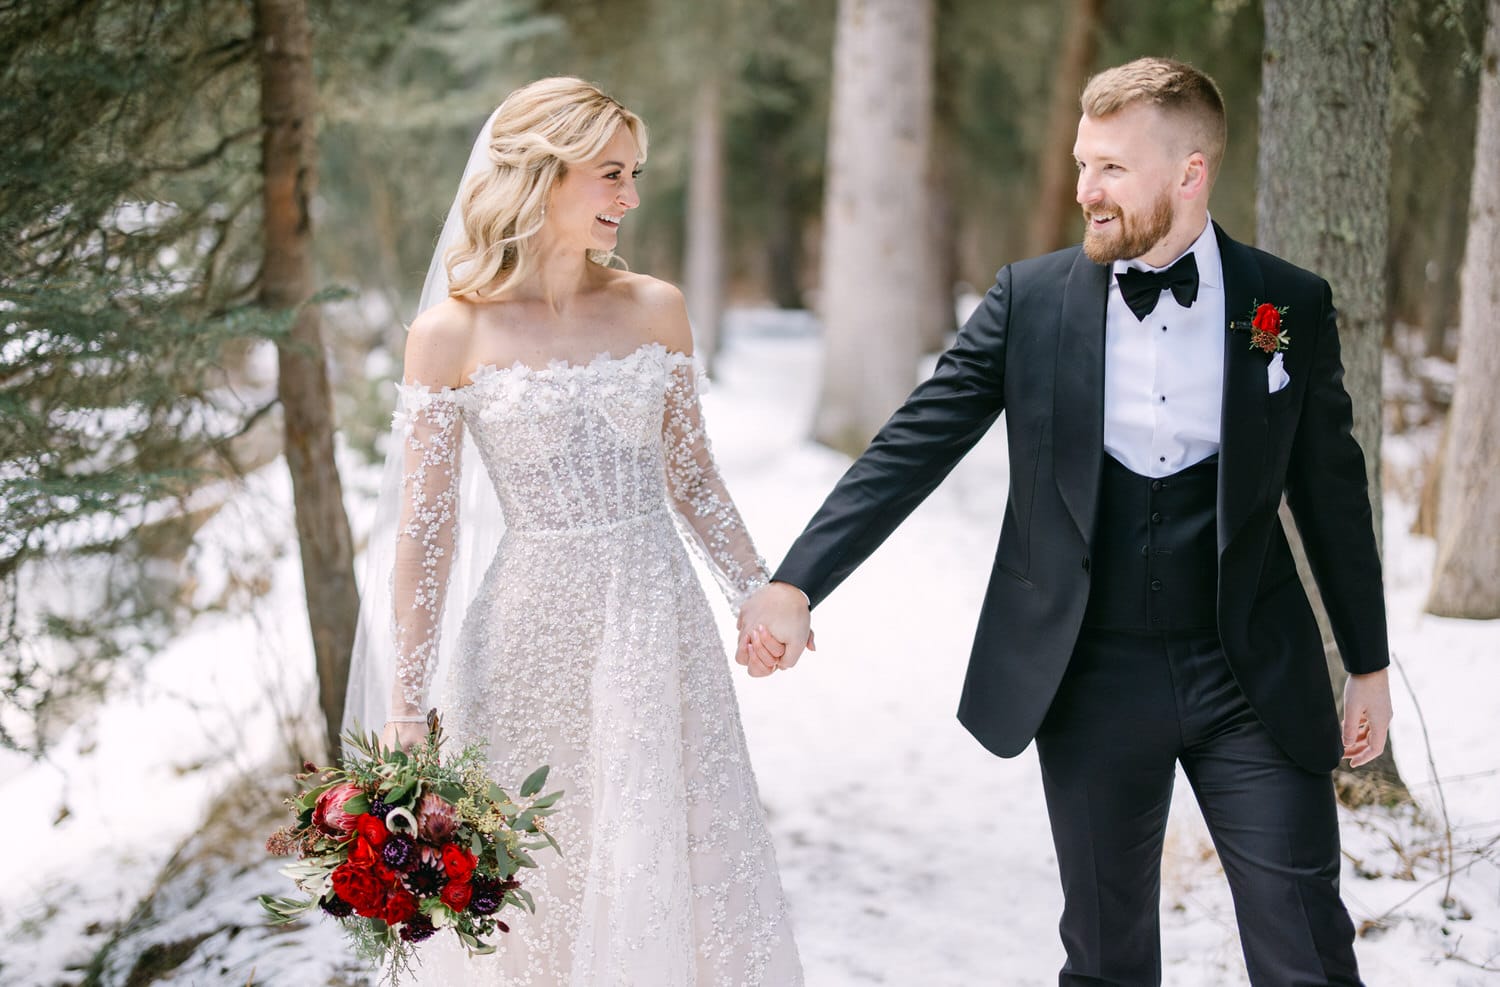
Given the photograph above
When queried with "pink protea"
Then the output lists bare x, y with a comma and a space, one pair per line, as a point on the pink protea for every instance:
329, 815
437, 818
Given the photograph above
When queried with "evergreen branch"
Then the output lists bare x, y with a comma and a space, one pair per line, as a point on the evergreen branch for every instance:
203, 158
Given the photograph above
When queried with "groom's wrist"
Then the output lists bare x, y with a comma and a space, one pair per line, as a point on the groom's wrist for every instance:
807, 600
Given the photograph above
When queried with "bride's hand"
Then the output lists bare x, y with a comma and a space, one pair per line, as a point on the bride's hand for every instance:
402, 736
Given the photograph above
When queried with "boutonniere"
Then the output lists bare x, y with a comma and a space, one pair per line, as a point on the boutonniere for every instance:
1264, 327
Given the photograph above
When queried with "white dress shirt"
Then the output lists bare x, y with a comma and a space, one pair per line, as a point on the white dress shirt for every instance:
1164, 376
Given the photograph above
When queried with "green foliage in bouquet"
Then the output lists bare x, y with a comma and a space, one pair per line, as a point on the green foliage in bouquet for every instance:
400, 844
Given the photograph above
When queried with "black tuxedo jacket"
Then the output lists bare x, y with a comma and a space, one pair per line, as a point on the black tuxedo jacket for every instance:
1035, 349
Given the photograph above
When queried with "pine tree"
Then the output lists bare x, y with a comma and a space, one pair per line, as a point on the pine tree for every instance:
126, 296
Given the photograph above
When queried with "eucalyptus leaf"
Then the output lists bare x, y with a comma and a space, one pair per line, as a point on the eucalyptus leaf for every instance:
534, 782
547, 801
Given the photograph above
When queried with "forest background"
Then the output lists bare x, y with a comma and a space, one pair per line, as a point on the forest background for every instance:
216, 216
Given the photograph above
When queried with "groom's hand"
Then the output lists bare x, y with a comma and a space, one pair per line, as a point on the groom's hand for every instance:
1367, 716
774, 623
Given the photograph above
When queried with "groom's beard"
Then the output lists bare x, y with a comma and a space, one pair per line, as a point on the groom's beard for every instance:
1128, 238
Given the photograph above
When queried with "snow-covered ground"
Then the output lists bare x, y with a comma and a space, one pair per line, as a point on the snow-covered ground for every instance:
911, 856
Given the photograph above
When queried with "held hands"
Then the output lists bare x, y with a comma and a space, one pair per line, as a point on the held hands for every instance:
1367, 716
774, 623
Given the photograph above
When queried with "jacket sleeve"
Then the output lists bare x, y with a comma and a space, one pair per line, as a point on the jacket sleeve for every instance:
1329, 497
910, 456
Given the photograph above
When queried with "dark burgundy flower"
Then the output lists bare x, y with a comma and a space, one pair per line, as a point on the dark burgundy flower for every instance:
417, 928
425, 880
398, 852
378, 808
336, 906
489, 895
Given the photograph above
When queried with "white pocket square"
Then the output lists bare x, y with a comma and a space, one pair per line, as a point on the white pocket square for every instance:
1276, 375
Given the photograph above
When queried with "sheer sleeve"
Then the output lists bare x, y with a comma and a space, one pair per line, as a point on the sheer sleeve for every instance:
430, 429
698, 493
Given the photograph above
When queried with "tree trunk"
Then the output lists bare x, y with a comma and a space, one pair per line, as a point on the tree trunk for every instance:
1322, 204
783, 245
942, 209
289, 165
1056, 222
703, 279
878, 270
1466, 578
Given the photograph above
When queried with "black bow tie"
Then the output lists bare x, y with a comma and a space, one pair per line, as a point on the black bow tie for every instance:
1142, 289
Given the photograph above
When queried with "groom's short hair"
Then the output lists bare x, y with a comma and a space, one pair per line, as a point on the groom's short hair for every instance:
1174, 87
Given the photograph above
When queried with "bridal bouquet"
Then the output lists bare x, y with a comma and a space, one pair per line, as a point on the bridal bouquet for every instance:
398, 845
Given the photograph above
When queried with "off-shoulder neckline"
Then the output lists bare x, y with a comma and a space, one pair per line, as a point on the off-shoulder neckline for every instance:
486, 371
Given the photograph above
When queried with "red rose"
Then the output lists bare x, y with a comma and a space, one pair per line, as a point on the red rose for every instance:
456, 895
371, 829
329, 815
362, 854
458, 863
1267, 319
360, 888
399, 907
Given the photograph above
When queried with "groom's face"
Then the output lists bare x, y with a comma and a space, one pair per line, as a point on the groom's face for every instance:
1127, 172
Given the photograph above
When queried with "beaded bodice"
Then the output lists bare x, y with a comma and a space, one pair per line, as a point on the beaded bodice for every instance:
570, 448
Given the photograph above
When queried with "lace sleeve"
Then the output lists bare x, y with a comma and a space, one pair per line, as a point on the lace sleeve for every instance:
429, 427
699, 495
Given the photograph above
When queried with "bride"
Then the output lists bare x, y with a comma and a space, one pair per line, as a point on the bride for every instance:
548, 388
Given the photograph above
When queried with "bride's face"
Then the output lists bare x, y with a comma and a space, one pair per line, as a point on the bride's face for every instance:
589, 202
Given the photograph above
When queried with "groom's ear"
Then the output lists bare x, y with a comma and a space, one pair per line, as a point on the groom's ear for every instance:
1195, 181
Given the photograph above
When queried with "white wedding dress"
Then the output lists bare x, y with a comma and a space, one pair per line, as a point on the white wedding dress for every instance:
590, 647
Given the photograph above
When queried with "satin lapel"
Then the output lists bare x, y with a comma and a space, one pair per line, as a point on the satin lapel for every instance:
1078, 397
1242, 428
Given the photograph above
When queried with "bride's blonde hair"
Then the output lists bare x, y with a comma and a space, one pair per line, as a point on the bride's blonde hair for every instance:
539, 131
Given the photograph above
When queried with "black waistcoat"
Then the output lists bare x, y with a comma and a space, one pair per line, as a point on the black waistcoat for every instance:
1155, 551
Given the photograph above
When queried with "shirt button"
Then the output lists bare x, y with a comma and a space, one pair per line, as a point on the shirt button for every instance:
1161, 459
1155, 585
1156, 518
1163, 397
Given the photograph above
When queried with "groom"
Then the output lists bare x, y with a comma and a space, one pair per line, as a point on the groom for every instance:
1164, 386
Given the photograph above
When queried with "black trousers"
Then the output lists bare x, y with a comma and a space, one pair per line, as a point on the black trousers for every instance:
1130, 707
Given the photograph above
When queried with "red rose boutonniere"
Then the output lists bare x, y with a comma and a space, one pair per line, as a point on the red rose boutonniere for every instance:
1264, 327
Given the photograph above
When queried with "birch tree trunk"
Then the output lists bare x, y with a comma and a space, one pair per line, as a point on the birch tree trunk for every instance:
289, 158
1057, 221
878, 264
703, 280
1323, 204
1466, 578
